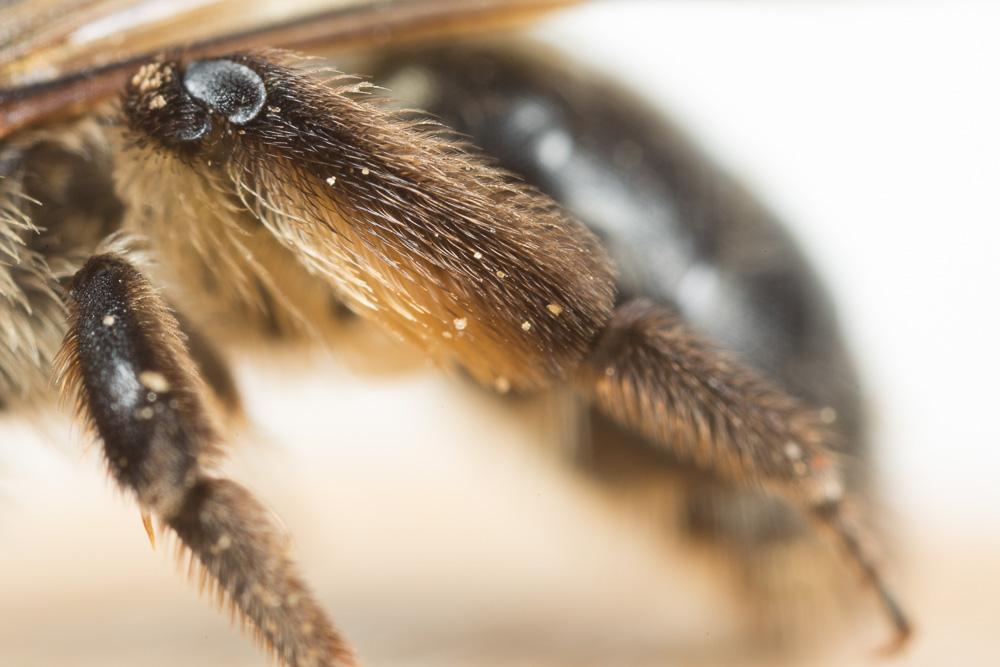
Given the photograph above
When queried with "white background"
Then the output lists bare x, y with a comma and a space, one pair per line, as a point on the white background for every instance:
873, 128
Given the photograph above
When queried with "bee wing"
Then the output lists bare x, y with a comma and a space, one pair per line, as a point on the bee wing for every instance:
46, 38
59, 56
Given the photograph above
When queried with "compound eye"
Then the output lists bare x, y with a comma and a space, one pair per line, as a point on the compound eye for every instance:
226, 87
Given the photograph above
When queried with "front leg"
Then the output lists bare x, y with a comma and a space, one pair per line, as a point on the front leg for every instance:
656, 377
125, 361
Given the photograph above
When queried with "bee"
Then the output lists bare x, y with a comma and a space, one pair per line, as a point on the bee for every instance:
159, 195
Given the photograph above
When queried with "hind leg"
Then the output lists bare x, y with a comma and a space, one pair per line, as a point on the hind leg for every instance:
786, 584
658, 378
682, 232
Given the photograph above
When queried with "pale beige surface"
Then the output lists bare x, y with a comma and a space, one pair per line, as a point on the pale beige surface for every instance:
437, 527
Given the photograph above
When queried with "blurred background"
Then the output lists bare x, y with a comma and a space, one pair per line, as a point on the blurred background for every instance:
434, 521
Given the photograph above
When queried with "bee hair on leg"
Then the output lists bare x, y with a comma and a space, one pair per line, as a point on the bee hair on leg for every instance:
409, 226
654, 375
125, 363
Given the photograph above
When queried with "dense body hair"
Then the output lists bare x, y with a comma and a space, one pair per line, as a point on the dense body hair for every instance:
31, 317
407, 226
56, 206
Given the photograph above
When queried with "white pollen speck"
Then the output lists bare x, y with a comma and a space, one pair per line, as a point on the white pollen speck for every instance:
828, 415
331, 180
460, 323
555, 309
832, 490
145, 413
501, 275
108, 321
447, 334
526, 325
274, 109
154, 381
477, 255
365, 172
793, 451
157, 102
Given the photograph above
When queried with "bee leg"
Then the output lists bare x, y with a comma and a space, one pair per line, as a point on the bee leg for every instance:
789, 576
134, 381
655, 376
212, 365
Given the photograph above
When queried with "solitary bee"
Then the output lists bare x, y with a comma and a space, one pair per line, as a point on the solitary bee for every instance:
157, 196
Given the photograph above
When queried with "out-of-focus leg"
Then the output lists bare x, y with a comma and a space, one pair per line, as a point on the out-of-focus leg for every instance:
658, 378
